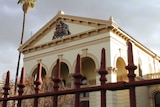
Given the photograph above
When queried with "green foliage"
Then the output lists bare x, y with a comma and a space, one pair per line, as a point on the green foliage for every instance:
26, 1
26, 4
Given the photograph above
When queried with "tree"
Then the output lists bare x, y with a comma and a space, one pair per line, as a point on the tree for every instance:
26, 5
47, 86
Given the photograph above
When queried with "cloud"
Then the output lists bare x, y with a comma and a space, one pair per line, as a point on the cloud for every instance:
139, 18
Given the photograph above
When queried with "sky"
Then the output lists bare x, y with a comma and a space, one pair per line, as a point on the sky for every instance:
139, 18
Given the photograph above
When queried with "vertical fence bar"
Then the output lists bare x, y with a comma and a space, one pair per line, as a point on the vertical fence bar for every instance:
6, 88
21, 86
103, 72
131, 75
77, 80
56, 80
38, 83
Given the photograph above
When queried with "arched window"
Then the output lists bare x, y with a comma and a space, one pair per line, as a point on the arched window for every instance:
157, 99
121, 71
122, 76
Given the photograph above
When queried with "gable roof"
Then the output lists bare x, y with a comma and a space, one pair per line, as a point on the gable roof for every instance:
95, 23
99, 26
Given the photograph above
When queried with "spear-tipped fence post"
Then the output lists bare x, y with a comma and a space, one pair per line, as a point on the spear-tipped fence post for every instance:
103, 72
38, 83
77, 80
6, 88
131, 75
56, 80
21, 86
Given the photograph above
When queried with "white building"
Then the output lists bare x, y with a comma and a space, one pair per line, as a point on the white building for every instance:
65, 36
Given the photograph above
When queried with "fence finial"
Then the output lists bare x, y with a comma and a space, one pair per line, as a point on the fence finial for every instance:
130, 54
22, 82
6, 88
38, 80
77, 76
21, 86
56, 78
131, 67
7, 84
38, 83
77, 80
131, 75
103, 70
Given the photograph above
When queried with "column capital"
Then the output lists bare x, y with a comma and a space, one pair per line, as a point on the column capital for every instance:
111, 69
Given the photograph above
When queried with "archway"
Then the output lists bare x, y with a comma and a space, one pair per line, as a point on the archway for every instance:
122, 76
64, 74
88, 70
157, 99
35, 72
121, 71
89, 78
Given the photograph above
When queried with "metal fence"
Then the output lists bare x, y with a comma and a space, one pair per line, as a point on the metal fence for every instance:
102, 88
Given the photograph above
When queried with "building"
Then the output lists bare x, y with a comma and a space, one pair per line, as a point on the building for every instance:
65, 36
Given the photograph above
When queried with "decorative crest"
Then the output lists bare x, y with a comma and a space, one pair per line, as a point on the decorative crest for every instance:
61, 30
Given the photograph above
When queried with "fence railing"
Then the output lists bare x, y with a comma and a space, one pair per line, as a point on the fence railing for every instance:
103, 87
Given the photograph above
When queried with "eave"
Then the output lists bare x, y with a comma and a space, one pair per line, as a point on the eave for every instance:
127, 37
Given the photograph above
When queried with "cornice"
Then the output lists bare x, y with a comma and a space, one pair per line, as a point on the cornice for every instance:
118, 31
83, 21
73, 47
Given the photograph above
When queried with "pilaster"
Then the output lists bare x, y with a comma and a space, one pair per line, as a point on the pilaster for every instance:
111, 95
112, 75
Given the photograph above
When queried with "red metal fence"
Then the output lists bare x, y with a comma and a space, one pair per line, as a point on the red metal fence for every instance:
103, 87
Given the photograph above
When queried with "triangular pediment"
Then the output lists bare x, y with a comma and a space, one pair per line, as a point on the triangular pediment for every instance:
76, 25
73, 28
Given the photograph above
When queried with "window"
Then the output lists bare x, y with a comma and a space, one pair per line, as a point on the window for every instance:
157, 99
140, 70
84, 83
85, 95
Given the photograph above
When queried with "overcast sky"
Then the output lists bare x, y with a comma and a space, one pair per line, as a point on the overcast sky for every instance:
139, 18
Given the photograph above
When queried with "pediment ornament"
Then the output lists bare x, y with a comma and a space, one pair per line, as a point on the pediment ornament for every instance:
61, 30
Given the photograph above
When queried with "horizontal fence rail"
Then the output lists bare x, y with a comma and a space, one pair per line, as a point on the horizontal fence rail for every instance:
102, 88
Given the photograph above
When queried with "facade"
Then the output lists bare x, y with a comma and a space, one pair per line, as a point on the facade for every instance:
65, 36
